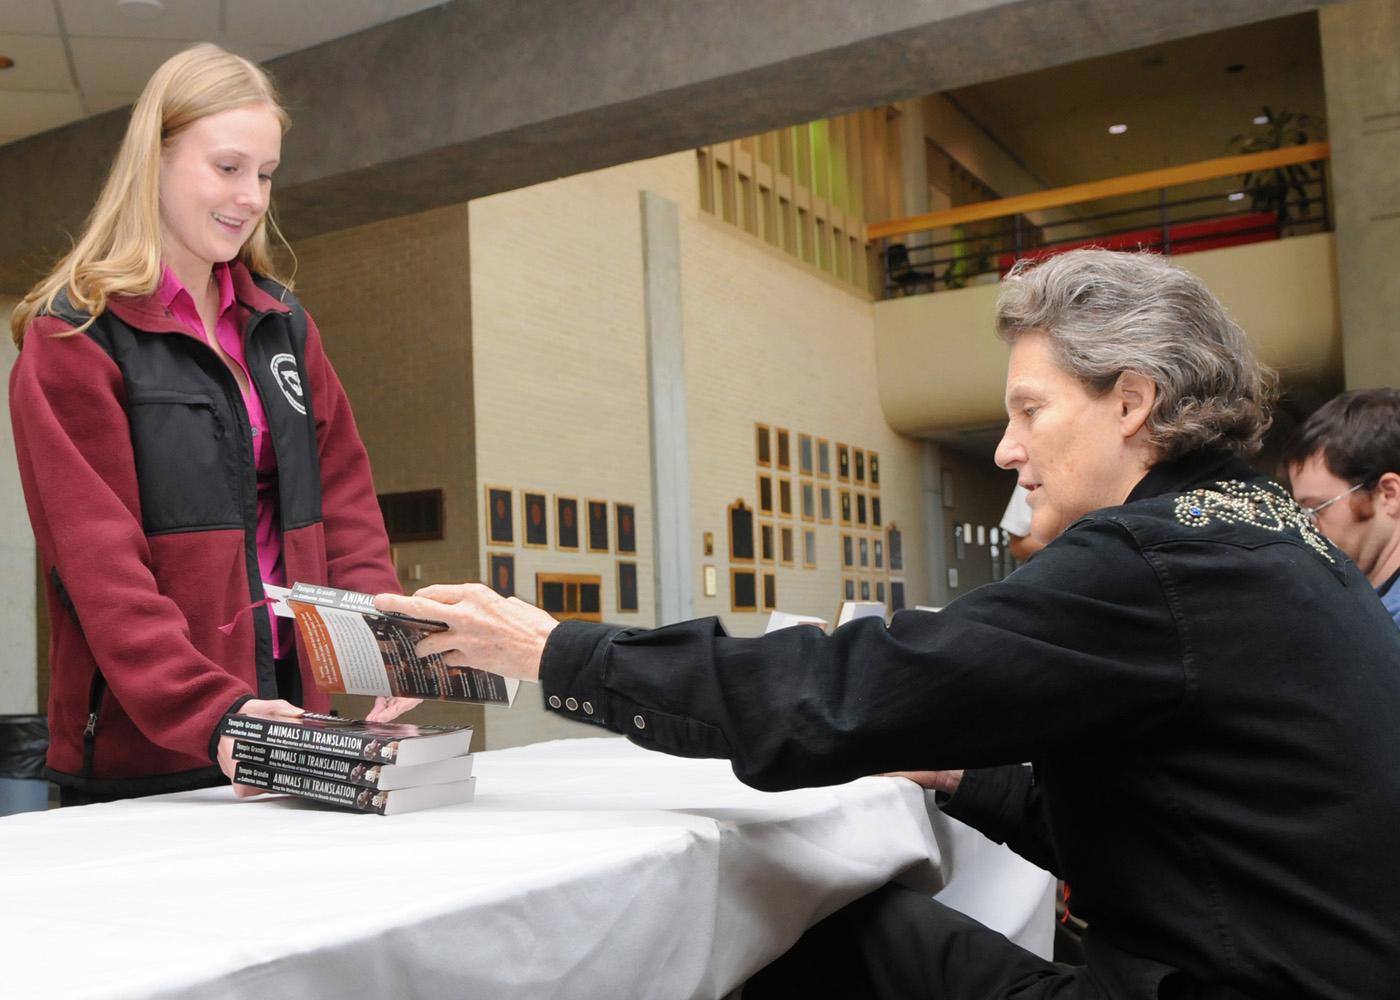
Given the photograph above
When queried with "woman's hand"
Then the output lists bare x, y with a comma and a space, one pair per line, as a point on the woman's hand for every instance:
389, 709
271, 709
503, 635
934, 781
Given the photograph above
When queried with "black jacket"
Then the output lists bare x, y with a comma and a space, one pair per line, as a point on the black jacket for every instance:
1210, 693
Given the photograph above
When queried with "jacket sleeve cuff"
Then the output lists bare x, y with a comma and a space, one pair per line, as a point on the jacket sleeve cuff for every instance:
990, 799
239, 702
571, 671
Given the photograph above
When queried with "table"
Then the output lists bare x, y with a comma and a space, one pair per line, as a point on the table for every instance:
584, 868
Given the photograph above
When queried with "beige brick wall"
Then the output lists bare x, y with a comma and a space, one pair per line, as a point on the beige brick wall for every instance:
560, 362
393, 303
559, 344
769, 342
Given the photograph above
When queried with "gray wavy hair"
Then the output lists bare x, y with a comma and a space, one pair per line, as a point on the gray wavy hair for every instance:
1107, 312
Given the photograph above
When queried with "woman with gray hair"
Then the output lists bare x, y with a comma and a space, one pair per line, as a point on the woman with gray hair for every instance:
1207, 688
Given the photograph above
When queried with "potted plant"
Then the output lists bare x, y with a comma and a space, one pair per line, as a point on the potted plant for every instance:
1271, 190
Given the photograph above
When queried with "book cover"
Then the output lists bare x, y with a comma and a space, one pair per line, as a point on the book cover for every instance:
342, 793
365, 773
356, 649
381, 742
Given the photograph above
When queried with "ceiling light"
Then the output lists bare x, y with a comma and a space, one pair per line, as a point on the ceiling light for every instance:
6, 62
1235, 196
1261, 119
141, 10
1118, 129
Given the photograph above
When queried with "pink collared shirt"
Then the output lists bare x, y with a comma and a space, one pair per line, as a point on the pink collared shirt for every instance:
175, 298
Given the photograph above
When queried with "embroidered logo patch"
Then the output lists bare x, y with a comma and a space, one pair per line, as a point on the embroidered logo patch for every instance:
284, 370
1234, 502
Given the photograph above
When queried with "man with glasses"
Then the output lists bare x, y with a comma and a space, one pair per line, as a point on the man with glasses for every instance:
1345, 469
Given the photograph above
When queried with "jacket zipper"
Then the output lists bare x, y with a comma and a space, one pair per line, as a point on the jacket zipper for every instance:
234, 396
97, 692
96, 695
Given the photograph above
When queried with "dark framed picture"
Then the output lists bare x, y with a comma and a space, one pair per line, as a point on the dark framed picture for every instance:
626, 514
763, 448
500, 516
824, 458
414, 516
858, 460
843, 462
896, 549
534, 515
597, 526
804, 454
570, 595
743, 590
784, 448
874, 469
740, 532
627, 586
809, 548
566, 523
770, 591
501, 572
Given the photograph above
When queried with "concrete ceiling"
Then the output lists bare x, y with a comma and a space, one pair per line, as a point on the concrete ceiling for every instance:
76, 58
470, 97
1182, 101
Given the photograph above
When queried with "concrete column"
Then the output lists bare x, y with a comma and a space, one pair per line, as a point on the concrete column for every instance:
1359, 43
936, 539
913, 164
674, 563
19, 690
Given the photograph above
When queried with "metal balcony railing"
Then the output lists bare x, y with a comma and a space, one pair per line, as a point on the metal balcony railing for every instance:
1223, 202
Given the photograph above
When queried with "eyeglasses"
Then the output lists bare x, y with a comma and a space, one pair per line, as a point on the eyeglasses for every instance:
1312, 512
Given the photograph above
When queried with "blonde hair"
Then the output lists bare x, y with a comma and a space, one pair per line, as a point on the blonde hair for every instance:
119, 252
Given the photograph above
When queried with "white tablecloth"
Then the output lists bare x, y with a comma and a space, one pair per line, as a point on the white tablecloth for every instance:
585, 868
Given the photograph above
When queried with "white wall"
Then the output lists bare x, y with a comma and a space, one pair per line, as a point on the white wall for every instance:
18, 685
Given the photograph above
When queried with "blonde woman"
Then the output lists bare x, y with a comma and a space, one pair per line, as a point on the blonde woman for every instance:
181, 437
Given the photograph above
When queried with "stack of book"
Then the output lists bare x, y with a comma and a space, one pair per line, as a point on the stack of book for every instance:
379, 767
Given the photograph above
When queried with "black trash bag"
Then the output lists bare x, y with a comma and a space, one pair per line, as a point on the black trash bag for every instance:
24, 740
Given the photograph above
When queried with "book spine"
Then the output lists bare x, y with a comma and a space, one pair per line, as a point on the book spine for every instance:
317, 765
358, 745
338, 793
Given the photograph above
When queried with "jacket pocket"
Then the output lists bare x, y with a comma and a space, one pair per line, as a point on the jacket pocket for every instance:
182, 470
97, 693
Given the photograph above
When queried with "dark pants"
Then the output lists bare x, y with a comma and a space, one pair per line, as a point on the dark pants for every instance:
79, 797
902, 945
